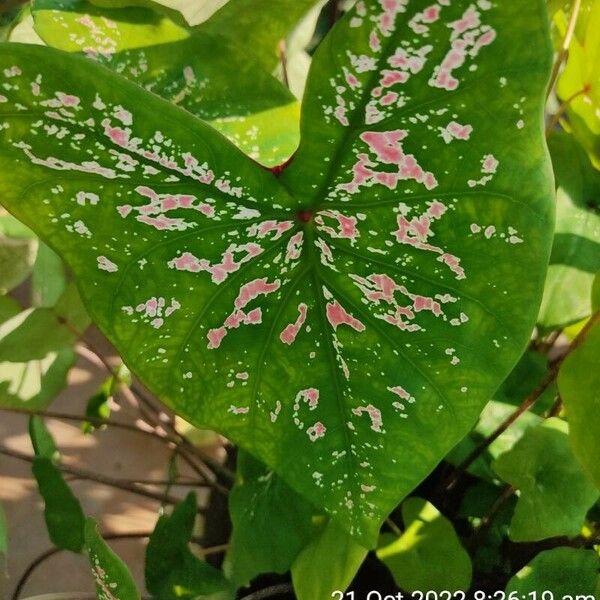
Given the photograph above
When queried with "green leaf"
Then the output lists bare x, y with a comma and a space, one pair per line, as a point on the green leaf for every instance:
172, 571
48, 279
9, 308
327, 563
3, 535
563, 572
596, 292
428, 555
555, 494
16, 261
200, 71
98, 406
579, 385
258, 29
575, 255
42, 441
112, 577
329, 333
34, 384
579, 83
62, 512
271, 522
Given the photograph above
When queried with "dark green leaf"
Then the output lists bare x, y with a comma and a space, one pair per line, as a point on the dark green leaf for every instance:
428, 555
63, 513
112, 577
329, 562
579, 385
271, 522
563, 572
98, 406
555, 494
259, 30
345, 346
42, 441
9, 308
172, 571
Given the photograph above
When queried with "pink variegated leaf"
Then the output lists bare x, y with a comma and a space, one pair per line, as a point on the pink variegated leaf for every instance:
346, 322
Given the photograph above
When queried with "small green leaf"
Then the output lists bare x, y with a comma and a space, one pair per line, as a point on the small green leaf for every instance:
42, 440
98, 406
327, 563
563, 572
579, 385
555, 493
172, 571
271, 522
575, 257
62, 512
48, 280
112, 577
428, 555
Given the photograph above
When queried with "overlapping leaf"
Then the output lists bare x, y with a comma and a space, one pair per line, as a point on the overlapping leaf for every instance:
347, 331
199, 70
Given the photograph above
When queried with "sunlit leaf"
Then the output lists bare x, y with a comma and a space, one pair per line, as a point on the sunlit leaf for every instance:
271, 522
575, 255
579, 385
428, 555
579, 83
112, 577
172, 571
347, 322
62, 512
562, 572
555, 494
326, 564
17, 253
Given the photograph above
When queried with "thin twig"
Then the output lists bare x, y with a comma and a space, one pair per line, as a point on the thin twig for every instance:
393, 527
563, 107
281, 49
506, 493
95, 477
524, 407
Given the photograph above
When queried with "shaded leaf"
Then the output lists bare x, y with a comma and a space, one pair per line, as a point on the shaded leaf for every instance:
318, 336
48, 281
271, 522
258, 29
112, 577
62, 512
579, 385
575, 255
564, 572
428, 555
16, 261
327, 563
8, 308
555, 494
172, 571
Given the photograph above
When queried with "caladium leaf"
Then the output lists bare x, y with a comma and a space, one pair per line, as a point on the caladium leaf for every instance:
347, 331
200, 71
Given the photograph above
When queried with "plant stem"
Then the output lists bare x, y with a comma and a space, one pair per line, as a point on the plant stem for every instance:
562, 108
565, 46
274, 590
524, 407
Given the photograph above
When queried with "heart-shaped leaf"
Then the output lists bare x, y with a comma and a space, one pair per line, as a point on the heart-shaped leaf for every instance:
347, 326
